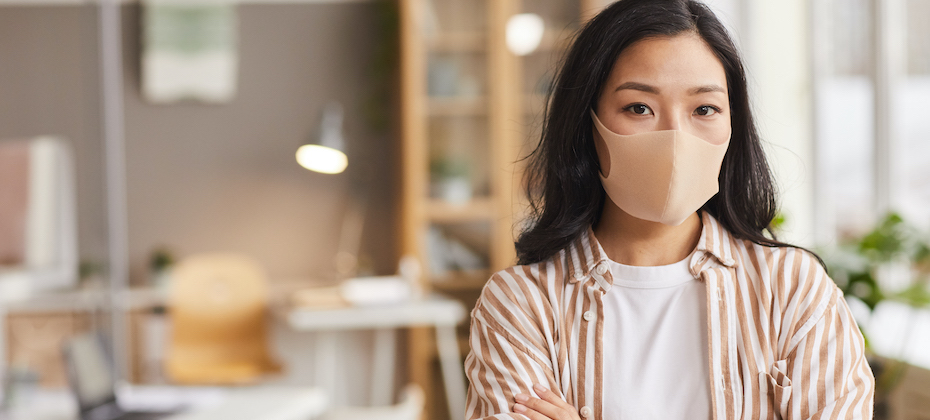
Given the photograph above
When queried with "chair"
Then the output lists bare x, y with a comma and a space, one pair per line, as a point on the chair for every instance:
410, 407
217, 307
38, 217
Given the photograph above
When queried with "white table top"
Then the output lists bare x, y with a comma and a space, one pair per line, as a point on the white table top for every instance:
431, 311
246, 403
262, 403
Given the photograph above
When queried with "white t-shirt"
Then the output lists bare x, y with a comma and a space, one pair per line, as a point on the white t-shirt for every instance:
655, 344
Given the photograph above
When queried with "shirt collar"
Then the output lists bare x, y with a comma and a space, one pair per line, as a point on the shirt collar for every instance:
585, 253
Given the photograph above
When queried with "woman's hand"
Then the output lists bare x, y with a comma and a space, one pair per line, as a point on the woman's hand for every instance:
547, 407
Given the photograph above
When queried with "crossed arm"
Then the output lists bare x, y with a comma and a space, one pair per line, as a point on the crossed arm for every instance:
510, 378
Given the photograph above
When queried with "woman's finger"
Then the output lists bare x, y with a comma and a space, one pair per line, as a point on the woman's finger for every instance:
552, 398
553, 408
529, 412
536, 405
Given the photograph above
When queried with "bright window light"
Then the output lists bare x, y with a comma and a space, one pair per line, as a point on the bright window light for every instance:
321, 159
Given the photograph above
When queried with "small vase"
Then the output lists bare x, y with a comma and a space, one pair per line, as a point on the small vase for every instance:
454, 190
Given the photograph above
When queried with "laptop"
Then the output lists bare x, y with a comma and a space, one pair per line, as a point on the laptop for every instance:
90, 375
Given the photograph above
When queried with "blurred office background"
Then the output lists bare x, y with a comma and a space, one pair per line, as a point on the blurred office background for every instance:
436, 100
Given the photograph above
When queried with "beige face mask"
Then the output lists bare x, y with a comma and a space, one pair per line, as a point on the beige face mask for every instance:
661, 176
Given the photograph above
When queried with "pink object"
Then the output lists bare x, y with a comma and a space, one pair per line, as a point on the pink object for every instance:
14, 201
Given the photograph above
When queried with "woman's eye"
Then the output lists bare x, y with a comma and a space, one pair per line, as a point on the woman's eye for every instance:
706, 110
639, 109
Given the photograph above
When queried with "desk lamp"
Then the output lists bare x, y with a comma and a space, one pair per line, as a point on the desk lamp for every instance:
328, 154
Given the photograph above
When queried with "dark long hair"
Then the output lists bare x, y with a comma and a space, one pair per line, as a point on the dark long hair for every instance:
562, 180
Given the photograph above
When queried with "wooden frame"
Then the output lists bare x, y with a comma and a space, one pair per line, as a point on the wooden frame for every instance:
503, 105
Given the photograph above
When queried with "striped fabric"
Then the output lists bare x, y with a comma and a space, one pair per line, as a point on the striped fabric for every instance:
783, 343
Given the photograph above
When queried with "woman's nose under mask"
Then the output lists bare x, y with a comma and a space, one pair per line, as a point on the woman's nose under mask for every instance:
661, 176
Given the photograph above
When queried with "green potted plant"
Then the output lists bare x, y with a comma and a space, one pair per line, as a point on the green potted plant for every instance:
889, 263
451, 179
160, 262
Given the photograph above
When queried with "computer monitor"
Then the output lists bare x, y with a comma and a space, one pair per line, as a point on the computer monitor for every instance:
90, 371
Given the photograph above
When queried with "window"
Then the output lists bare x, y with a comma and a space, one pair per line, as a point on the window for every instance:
871, 86
872, 113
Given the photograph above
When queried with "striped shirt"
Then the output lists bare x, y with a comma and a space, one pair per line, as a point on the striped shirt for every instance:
782, 341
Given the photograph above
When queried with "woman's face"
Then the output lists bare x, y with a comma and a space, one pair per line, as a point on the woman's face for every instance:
668, 83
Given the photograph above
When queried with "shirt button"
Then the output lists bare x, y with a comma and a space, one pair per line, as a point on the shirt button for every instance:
585, 411
601, 268
588, 316
729, 262
579, 275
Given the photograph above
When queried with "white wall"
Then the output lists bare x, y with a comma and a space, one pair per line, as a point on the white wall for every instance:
206, 178
776, 50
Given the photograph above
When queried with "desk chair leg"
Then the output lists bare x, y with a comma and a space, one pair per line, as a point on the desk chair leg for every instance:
453, 373
325, 363
3, 344
382, 377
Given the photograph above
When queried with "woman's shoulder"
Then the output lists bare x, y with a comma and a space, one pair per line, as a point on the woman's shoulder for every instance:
522, 294
516, 282
792, 277
753, 256
776, 257
544, 283
793, 266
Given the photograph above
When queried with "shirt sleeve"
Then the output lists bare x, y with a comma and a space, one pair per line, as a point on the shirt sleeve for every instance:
825, 374
502, 362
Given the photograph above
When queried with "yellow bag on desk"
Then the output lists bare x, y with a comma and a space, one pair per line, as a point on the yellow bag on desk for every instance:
218, 307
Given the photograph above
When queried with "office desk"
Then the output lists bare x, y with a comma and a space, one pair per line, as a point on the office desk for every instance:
75, 311
246, 403
435, 311
438, 312
262, 403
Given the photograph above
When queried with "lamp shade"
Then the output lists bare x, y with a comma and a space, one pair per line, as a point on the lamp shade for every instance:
524, 33
322, 159
328, 154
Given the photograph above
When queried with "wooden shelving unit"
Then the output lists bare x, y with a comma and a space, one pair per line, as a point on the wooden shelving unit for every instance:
451, 107
478, 209
466, 98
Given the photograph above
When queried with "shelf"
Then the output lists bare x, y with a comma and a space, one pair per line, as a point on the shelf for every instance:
456, 105
463, 93
458, 42
445, 212
477, 42
458, 281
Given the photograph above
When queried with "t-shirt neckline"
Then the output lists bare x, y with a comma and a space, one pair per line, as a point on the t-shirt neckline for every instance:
651, 277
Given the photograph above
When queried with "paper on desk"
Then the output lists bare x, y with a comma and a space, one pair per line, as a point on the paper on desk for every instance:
359, 291
376, 290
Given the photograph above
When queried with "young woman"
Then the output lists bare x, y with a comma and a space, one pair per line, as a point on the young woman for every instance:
648, 288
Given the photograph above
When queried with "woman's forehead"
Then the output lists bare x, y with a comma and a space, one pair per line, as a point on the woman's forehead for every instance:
682, 63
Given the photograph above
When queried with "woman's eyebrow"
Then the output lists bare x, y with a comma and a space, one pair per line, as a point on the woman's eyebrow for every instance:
707, 89
637, 86
654, 90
